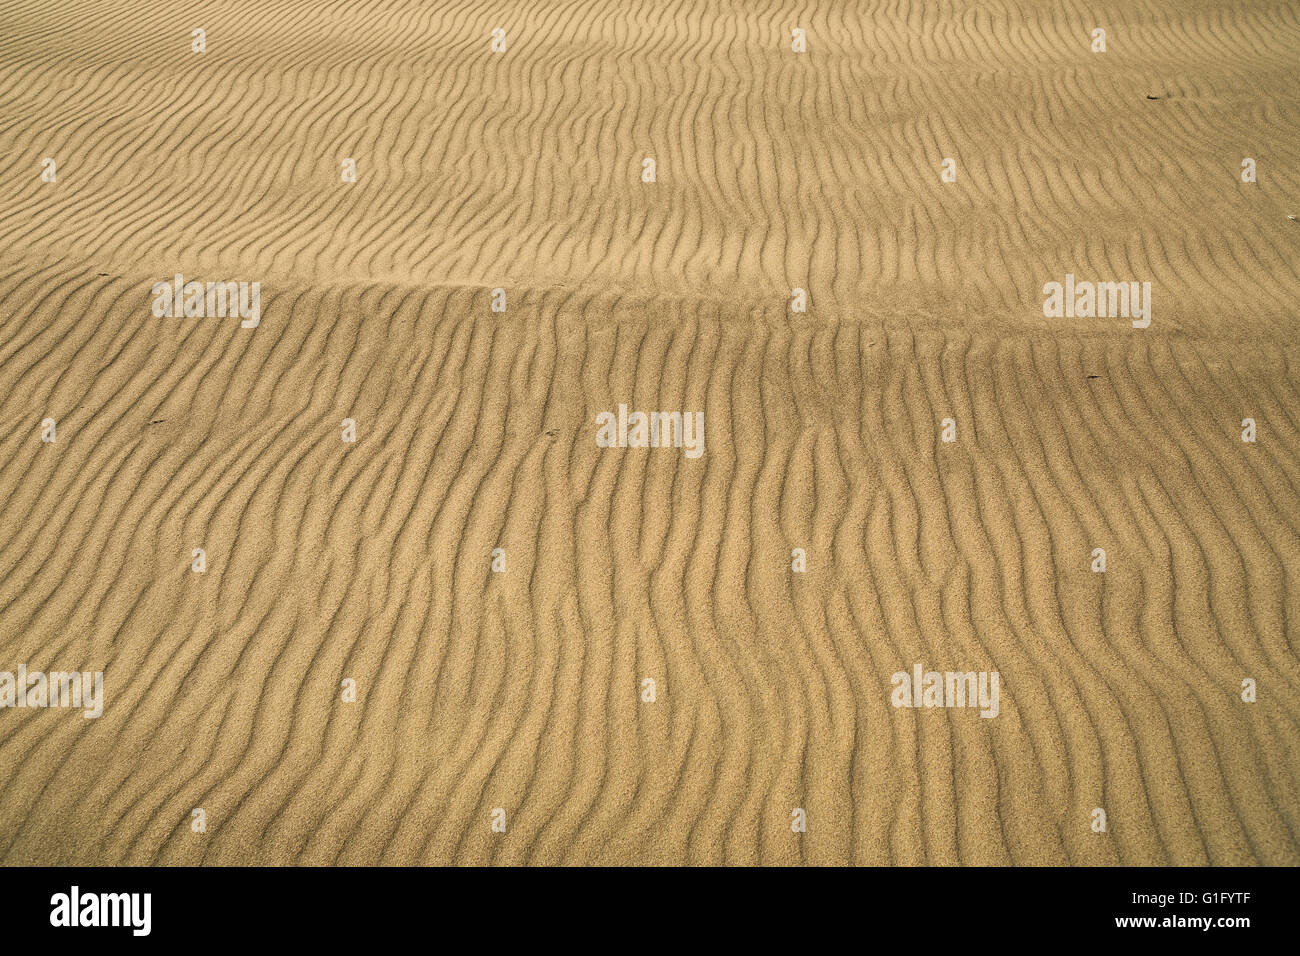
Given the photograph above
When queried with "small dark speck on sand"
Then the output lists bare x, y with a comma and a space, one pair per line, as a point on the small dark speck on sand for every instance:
1094, 376
157, 421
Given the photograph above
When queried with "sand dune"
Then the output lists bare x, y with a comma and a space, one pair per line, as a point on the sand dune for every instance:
521, 689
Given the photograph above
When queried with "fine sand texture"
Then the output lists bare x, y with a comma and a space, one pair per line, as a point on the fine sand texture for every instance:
827, 538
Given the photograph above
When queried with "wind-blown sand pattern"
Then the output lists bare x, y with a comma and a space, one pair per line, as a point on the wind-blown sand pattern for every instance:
521, 690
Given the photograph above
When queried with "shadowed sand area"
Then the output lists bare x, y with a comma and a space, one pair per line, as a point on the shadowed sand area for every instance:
476, 430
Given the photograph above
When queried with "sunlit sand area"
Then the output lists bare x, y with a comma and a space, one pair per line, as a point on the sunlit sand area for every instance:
596, 432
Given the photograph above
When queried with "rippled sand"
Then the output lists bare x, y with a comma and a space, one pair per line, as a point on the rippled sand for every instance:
372, 561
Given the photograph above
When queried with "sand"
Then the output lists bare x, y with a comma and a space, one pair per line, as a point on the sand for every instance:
500, 714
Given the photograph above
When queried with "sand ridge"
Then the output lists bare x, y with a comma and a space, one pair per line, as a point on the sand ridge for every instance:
522, 689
